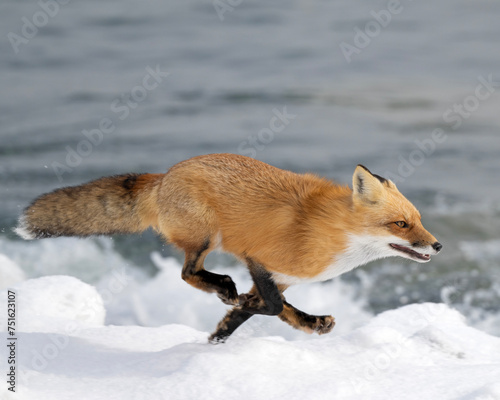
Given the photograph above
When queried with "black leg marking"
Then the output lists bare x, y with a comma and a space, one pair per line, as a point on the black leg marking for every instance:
269, 300
233, 319
222, 284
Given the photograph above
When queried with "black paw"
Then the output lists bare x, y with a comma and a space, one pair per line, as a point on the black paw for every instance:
227, 292
215, 339
324, 324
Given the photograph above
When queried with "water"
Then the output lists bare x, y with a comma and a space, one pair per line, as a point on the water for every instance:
90, 66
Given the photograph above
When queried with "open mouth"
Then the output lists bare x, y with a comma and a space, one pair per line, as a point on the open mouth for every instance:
412, 253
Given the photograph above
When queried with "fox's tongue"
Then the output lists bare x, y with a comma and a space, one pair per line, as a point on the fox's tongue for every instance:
413, 253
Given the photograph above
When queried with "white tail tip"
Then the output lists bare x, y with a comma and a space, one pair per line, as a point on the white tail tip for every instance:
22, 229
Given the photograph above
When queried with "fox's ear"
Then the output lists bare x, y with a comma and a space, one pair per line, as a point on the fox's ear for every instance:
366, 186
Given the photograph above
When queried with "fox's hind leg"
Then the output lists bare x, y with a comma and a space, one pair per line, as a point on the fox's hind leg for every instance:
196, 275
192, 227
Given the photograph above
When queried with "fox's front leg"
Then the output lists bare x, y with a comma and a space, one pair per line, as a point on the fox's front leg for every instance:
264, 298
305, 322
233, 319
269, 296
251, 303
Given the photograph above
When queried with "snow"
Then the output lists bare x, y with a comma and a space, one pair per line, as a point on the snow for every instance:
48, 304
66, 350
10, 273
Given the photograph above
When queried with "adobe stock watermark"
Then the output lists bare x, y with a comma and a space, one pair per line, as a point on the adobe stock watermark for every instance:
257, 142
455, 114
463, 110
363, 37
121, 107
453, 290
11, 340
48, 9
224, 6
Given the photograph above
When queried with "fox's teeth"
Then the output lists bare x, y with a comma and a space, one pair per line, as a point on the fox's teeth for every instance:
414, 254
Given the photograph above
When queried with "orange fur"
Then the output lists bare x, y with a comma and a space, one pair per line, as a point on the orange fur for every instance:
290, 223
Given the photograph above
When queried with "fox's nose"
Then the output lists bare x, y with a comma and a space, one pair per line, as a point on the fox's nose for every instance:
437, 246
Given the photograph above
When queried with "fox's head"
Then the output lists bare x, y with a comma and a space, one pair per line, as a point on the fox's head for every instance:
389, 223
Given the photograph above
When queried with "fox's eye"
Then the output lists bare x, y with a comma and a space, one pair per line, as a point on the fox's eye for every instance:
401, 224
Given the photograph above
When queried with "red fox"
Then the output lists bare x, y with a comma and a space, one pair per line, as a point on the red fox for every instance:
288, 228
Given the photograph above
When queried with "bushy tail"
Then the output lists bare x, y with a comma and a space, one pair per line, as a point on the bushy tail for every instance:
115, 204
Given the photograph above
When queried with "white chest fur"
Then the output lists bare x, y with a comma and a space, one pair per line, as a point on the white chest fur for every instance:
361, 250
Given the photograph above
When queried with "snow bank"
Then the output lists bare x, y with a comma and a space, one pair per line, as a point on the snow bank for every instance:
55, 304
416, 352
10, 273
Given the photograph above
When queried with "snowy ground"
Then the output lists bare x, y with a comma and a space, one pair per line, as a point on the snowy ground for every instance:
65, 350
